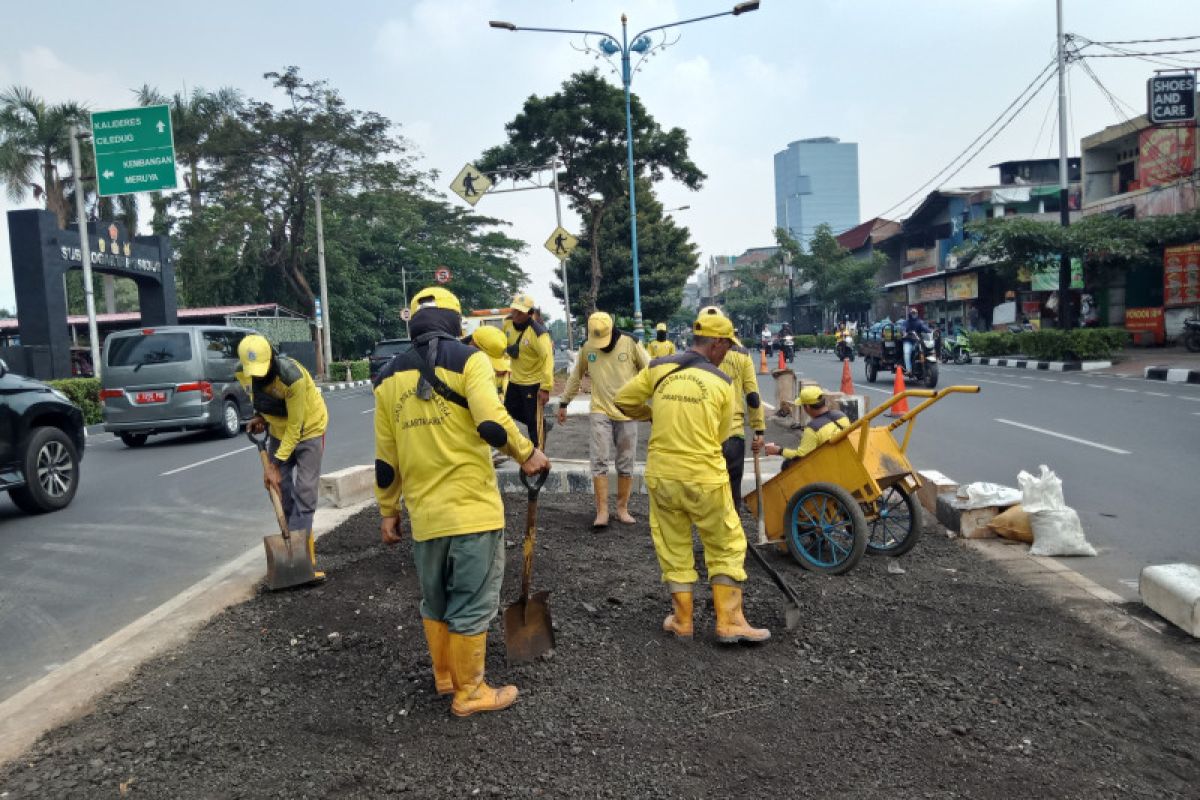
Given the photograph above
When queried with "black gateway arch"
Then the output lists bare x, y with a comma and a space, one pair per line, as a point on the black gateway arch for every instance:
42, 253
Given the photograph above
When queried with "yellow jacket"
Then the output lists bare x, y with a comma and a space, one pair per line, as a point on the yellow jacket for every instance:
532, 354
817, 432
692, 413
610, 371
739, 366
658, 349
435, 452
290, 403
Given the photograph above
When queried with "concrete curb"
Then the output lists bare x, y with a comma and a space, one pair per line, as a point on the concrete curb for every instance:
1050, 366
1172, 375
1173, 592
337, 387
349, 486
69, 691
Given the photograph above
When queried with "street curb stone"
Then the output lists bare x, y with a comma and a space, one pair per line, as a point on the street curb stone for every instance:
1171, 375
337, 387
1050, 366
1173, 592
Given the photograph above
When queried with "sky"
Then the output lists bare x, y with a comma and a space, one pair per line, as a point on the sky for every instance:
913, 83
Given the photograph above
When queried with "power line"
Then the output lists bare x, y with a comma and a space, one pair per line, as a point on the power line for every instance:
1139, 53
1151, 41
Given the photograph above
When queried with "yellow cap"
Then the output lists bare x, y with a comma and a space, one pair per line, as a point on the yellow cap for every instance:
600, 328
254, 351
662, 326
715, 311
811, 396
434, 297
523, 302
716, 326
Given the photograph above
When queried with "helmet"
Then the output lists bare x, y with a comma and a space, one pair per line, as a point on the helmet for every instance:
811, 396
912, 312
254, 351
434, 297
523, 302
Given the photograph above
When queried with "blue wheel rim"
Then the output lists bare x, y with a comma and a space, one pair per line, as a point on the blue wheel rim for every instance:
822, 529
894, 523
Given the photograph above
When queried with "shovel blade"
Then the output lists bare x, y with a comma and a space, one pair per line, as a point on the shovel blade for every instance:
288, 562
528, 632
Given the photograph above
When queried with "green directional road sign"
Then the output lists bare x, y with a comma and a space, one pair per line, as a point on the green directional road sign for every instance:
135, 150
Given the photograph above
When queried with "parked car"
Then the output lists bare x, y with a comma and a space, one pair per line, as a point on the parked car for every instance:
384, 351
172, 378
41, 443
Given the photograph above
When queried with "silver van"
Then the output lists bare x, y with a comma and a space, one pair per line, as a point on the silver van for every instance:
172, 378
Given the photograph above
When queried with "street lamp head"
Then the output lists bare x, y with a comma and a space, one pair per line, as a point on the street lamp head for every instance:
641, 44
504, 26
609, 47
743, 8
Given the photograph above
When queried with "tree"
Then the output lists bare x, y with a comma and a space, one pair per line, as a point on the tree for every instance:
667, 256
583, 127
35, 143
840, 282
756, 292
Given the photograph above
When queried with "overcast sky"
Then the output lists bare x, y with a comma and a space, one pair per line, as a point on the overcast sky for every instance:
913, 82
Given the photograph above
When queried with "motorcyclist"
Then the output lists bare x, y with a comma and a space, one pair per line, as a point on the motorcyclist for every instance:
789, 342
913, 327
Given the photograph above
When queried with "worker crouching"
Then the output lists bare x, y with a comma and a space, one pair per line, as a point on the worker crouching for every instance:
693, 409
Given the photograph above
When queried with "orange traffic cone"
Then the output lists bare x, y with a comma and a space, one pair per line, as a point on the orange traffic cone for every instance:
847, 382
762, 361
782, 365
900, 408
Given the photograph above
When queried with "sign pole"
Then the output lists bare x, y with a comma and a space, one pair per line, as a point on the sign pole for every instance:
404, 288
1064, 259
85, 251
562, 262
328, 348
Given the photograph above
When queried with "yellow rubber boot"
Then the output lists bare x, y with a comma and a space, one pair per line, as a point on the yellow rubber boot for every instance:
679, 621
600, 487
311, 544
731, 622
437, 634
624, 489
471, 693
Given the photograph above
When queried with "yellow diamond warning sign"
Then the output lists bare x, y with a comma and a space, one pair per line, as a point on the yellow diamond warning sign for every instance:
561, 243
470, 184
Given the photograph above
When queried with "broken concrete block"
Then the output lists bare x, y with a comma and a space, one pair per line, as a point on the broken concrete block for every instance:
1173, 592
348, 486
934, 483
973, 522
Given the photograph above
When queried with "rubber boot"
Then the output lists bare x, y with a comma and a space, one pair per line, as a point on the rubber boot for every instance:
731, 622
600, 487
471, 693
437, 634
311, 544
679, 621
624, 489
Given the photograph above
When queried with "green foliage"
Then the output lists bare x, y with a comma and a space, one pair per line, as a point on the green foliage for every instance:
1081, 344
85, 393
360, 370
35, 148
840, 281
755, 293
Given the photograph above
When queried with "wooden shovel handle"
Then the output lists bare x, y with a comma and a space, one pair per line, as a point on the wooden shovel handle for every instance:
527, 549
758, 499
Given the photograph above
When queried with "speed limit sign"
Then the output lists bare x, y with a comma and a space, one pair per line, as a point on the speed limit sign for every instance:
442, 275
405, 314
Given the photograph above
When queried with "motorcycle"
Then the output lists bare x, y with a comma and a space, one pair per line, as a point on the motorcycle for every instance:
956, 349
1191, 335
924, 359
882, 351
844, 348
789, 348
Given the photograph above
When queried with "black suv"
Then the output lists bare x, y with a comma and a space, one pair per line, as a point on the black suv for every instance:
384, 351
41, 443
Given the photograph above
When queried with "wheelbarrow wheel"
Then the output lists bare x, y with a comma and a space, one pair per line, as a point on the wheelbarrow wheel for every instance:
898, 525
826, 530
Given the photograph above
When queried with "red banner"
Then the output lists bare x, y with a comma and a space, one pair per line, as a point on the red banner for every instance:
1165, 155
1181, 275
1146, 320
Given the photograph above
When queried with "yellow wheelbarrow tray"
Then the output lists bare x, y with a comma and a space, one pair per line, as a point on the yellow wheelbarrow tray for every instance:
853, 494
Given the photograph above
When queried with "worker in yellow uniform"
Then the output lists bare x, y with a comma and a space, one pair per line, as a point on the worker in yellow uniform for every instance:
288, 405
612, 359
823, 424
660, 345
436, 412
532, 354
693, 406
492, 341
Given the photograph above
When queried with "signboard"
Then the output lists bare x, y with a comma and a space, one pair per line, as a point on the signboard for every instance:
1172, 98
134, 150
962, 287
1045, 275
1146, 320
1165, 155
1181, 275
927, 291
470, 184
317, 311
561, 243
442, 275
405, 313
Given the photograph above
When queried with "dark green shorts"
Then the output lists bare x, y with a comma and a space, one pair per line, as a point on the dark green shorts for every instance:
460, 579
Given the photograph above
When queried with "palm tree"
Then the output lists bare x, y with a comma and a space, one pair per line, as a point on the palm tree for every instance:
35, 140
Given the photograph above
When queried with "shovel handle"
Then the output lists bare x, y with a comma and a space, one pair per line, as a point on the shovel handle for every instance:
534, 484
276, 500
758, 501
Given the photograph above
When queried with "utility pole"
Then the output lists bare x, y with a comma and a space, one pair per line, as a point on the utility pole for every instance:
325, 344
404, 289
85, 251
1065, 320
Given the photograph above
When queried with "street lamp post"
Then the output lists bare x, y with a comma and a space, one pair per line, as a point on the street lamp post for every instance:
641, 45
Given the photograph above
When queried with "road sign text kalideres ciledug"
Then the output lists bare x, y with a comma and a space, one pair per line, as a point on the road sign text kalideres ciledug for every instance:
135, 150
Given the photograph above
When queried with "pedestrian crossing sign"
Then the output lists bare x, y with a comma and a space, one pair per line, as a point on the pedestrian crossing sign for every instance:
561, 243
470, 184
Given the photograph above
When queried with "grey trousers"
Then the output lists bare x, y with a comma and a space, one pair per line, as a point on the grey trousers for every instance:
299, 478
460, 579
608, 434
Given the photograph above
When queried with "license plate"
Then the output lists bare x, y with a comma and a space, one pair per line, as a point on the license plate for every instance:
143, 398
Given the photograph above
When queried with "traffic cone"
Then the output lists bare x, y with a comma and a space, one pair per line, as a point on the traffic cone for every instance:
762, 361
782, 365
847, 382
898, 409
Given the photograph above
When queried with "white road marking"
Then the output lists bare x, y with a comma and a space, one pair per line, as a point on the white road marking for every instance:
1096, 386
1071, 383
888, 392
1193, 399
1120, 389
1132, 583
368, 411
1097, 445
206, 461
1157, 394
1002, 383
1049, 380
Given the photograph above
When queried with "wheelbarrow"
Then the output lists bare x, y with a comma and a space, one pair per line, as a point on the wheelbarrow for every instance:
853, 494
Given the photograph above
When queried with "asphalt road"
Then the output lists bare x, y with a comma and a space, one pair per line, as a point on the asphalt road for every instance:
145, 525
1127, 451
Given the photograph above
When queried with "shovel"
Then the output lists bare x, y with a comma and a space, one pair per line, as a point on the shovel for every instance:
527, 629
289, 562
794, 612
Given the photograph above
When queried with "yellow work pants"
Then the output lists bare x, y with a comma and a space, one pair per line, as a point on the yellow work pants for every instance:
675, 506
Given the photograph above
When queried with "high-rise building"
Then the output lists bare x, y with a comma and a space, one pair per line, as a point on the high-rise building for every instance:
816, 180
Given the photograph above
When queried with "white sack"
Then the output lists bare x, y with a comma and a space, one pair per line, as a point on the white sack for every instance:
1056, 528
983, 495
